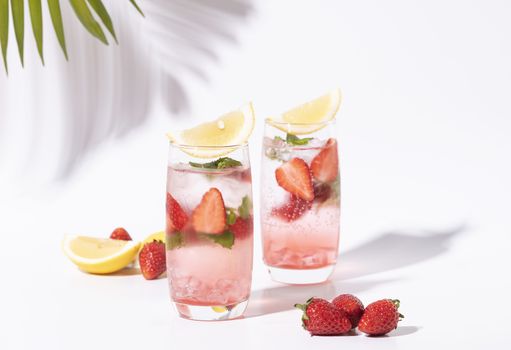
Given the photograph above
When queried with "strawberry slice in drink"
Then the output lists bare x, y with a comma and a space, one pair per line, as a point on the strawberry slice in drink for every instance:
294, 177
242, 228
209, 216
293, 209
325, 166
322, 192
176, 216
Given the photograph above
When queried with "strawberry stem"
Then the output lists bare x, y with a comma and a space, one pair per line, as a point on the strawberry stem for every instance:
302, 307
397, 303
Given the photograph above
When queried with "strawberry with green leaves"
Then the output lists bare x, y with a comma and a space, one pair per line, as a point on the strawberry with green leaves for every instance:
321, 317
380, 317
152, 259
352, 307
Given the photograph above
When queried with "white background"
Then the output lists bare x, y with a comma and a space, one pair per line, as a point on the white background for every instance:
425, 148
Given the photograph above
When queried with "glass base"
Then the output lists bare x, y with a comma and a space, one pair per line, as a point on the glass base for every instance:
295, 276
211, 313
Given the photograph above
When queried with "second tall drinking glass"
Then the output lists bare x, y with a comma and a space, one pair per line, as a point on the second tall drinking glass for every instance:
300, 201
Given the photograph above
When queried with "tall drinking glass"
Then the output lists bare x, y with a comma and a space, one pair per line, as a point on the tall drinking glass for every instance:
209, 231
300, 201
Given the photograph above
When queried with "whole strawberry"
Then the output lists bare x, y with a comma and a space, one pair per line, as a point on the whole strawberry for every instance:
380, 317
321, 317
352, 307
120, 233
152, 259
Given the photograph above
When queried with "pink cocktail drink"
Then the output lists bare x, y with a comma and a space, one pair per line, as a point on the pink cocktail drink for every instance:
209, 237
300, 208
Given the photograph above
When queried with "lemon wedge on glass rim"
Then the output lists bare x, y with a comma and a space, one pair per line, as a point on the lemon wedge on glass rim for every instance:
99, 255
309, 117
218, 137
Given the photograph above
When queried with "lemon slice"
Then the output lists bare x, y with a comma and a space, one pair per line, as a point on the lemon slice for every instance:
159, 236
99, 255
206, 140
309, 117
219, 309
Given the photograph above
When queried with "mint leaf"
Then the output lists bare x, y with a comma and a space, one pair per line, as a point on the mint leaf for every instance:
226, 162
231, 216
211, 165
174, 240
296, 141
244, 208
220, 163
225, 239
278, 138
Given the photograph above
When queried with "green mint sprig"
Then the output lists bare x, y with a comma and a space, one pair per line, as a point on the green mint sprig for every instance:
244, 208
231, 216
225, 239
294, 140
174, 240
220, 163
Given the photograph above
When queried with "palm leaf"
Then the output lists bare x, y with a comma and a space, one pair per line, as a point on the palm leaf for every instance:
4, 29
56, 19
100, 9
85, 16
138, 8
18, 19
36, 17
81, 9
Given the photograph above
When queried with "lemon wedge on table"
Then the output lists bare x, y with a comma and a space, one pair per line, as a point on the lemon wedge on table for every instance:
99, 255
309, 117
230, 129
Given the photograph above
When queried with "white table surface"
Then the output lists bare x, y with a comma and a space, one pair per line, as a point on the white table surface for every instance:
426, 185
441, 248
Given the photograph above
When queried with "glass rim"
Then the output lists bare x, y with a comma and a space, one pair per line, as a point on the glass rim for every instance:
269, 121
178, 145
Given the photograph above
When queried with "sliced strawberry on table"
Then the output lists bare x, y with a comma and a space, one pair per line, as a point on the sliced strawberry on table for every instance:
294, 176
176, 216
242, 228
209, 216
152, 259
121, 234
325, 165
293, 209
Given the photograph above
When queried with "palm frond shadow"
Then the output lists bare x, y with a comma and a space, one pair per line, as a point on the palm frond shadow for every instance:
384, 253
109, 92
185, 38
